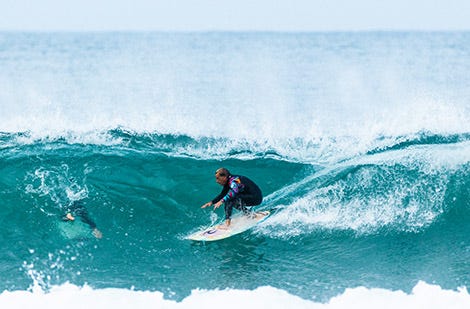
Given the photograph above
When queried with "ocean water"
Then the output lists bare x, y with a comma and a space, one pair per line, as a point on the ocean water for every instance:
360, 142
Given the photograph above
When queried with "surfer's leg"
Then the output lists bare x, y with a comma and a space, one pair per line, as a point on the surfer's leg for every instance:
240, 204
85, 217
228, 206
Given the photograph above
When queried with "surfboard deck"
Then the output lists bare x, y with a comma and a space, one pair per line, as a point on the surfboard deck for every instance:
74, 230
239, 224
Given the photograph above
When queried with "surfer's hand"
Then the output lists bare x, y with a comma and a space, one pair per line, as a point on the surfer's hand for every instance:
206, 205
217, 205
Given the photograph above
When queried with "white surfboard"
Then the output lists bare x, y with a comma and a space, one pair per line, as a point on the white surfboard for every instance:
238, 224
74, 229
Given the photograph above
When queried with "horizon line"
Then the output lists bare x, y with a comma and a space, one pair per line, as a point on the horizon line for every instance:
231, 30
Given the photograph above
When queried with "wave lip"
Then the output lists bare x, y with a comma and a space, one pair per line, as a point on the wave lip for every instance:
324, 150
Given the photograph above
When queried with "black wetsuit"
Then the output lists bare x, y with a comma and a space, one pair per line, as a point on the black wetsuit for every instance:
239, 192
77, 209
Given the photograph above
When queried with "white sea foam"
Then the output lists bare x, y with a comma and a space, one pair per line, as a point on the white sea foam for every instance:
71, 296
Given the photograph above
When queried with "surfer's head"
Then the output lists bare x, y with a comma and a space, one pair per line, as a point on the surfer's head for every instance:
221, 176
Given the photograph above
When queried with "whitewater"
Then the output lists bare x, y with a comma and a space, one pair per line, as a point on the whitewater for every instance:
360, 142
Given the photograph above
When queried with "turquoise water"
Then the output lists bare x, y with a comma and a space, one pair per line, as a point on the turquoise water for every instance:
359, 141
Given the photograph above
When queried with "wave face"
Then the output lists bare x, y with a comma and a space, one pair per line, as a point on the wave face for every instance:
359, 141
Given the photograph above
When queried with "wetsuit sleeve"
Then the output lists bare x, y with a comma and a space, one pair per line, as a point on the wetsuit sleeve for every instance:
221, 195
234, 189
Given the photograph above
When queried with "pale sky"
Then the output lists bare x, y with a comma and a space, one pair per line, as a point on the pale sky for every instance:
236, 15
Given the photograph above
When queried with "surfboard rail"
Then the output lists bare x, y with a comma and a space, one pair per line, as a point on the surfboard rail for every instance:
239, 224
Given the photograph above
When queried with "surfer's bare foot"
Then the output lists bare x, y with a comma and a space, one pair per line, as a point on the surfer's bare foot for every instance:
97, 233
69, 217
226, 225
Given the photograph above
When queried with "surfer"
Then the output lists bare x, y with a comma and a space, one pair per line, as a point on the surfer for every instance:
238, 191
78, 209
